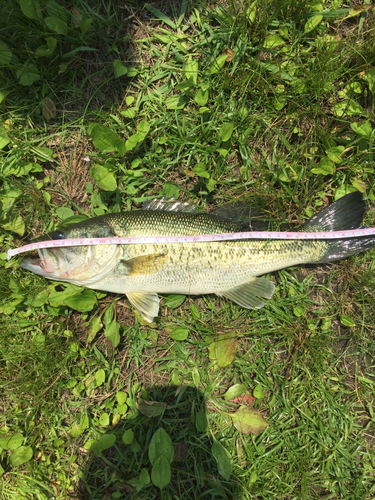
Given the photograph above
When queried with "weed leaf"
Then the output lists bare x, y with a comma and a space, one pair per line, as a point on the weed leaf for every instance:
161, 472
223, 350
249, 421
103, 177
222, 457
235, 391
21, 455
160, 445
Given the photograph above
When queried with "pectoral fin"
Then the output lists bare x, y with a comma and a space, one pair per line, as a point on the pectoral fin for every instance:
145, 264
248, 295
146, 303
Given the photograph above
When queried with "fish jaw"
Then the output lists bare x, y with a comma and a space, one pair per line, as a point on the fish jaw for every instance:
45, 265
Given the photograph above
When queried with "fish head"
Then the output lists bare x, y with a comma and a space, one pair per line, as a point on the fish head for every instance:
80, 265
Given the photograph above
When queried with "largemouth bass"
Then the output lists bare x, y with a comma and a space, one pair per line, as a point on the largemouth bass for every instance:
227, 268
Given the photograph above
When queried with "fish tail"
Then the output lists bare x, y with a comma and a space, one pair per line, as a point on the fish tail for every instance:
344, 214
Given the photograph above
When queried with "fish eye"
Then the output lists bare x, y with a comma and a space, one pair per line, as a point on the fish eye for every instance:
58, 235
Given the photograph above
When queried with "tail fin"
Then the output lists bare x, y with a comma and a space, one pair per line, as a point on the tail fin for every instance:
345, 213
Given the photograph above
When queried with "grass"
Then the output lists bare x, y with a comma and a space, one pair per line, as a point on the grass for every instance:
125, 103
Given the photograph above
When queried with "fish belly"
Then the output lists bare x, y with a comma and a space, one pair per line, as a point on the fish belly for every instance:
202, 268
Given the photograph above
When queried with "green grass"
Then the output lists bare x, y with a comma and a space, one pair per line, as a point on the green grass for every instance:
286, 124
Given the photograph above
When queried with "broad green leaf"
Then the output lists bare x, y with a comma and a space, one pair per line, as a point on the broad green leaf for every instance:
47, 50
21, 455
226, 131
258, 391
143, 127
201, 421
21, 168
370, 77
223, 350
363, 129
279, 102
16, 225
251, 11
191, 71
122, 409
313, 23
128, 436
150, 408
336, 154
248, 421
28, 74
100, 377
94, 327
133, 141
171, 189
343, 190
85, 26
160, 16
196, 377
299, 311
176, 379
82, 302
121, 397
4, 139
217, 65
106, 441
346, 321
201, 97
160, 445
11, 442
173, 301
3, 94
358, 184
200, 170
103, 177
180, 333
104, 419
222, 457
129, 113
31, 9
235, 391
64, 212
176, 102
273, 41
324, 167
161, 472
129, 100
57, 298
57, 25
348, 108
5, 54
54, 9
105, 140
112, 333
132, 72
211, 185
144, 477
120, 69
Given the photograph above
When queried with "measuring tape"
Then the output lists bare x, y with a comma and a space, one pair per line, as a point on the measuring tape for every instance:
203, 238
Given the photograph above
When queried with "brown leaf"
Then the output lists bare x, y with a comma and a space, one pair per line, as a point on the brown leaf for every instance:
245, 399
229, 53
180, 451
48, 109
77, 16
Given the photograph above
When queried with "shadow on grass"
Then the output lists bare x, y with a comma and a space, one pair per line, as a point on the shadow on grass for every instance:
120, 470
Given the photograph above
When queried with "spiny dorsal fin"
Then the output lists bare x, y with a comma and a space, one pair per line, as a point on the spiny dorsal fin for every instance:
169, 205
241, 213
147, 303
248, 295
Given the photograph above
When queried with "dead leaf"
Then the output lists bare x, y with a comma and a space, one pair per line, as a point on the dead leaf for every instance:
245, 399
48, 109
223, 350
229, 53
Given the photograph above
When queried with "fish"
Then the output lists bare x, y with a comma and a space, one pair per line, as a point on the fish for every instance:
231, 269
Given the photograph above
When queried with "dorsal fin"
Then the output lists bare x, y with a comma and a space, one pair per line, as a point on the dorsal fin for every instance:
169, 205
241, 213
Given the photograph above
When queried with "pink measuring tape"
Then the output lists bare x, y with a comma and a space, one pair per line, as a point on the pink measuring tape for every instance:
203, 238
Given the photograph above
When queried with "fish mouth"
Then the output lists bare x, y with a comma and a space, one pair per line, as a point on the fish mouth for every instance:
45, 264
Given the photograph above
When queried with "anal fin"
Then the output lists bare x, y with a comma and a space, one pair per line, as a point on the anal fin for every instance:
147, 303
249, 294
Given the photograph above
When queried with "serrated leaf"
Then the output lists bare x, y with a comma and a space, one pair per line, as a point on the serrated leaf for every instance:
223, 350
313, 23
161, 472
248, 421
273, 41
103, 177
21, 455
160, 445
201, 421
82, 302
217, 65
226, 131
112, 333
235, 391
180, 333
57, 25
223, 460
174, 300
119, 68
